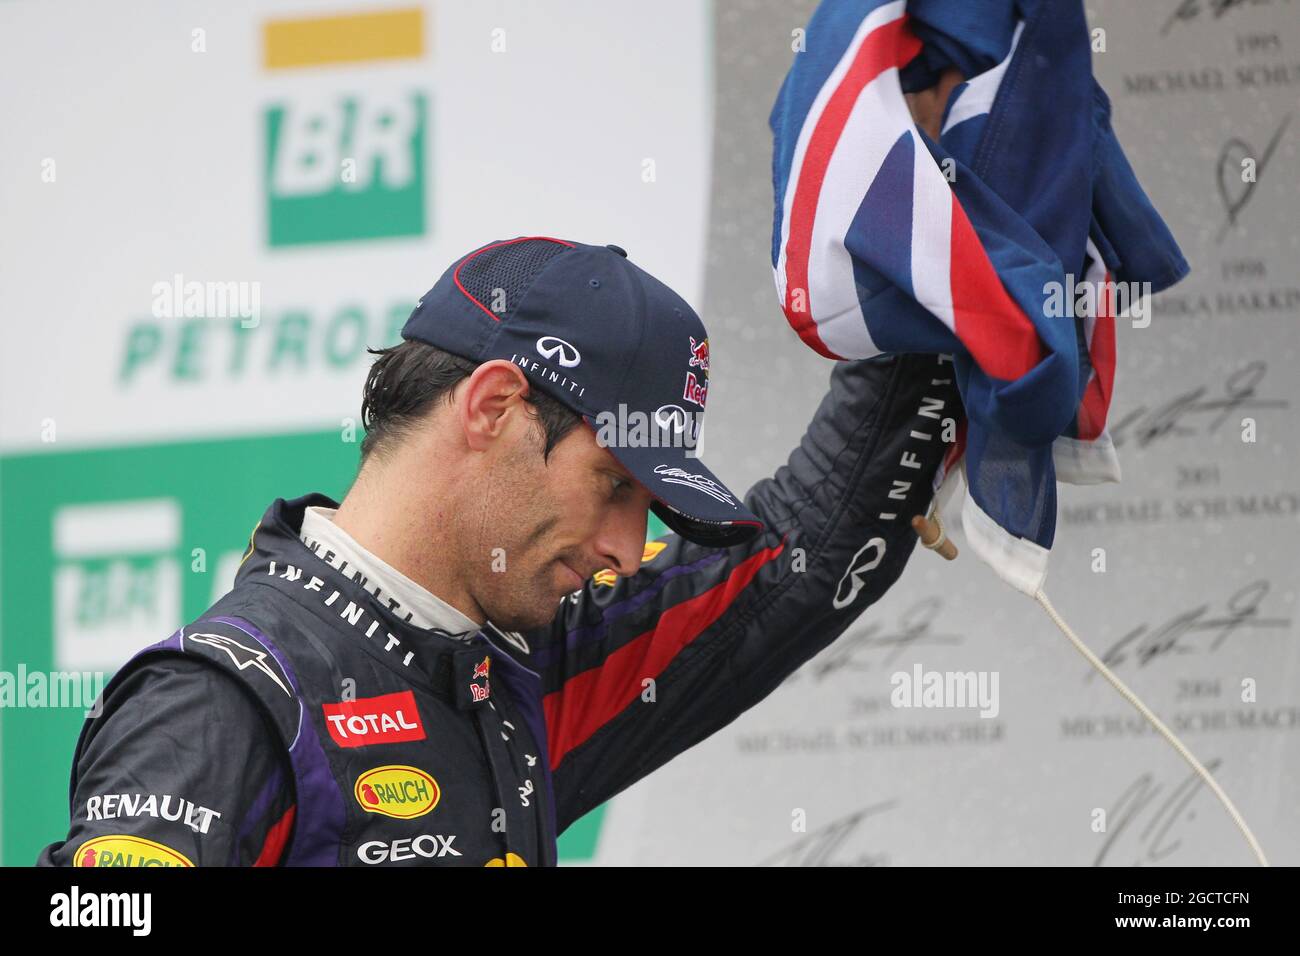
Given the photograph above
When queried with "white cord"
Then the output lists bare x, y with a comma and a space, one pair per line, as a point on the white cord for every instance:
1155, 722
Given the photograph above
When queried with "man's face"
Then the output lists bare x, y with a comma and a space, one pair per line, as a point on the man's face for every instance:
545, 527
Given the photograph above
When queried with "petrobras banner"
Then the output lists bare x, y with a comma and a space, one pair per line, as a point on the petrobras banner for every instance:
210, 213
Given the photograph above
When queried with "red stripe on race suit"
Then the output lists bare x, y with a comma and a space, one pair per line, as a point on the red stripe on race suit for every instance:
591, 699
276, 838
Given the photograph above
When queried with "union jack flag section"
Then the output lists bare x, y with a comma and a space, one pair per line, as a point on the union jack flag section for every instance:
1011, 243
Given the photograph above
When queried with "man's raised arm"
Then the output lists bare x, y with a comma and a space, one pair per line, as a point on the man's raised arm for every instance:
636, 671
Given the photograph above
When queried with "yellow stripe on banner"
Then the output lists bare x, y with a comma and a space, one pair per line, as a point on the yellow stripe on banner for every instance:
389, 35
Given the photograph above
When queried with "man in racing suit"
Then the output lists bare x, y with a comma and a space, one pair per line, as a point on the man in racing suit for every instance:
332, 710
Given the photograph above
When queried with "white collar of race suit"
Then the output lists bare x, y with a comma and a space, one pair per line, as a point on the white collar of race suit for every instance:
406, 599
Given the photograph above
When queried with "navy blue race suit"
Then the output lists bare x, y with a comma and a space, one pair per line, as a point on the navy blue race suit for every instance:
298, 722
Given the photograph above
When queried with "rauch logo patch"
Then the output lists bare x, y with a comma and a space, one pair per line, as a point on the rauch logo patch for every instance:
124, 850
397, 791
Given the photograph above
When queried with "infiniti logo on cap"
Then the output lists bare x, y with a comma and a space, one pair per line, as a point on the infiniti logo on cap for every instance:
671, 416
560, 351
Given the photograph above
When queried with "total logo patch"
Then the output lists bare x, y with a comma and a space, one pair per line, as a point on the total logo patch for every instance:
397, 791
511, 859
387, 719
125, 850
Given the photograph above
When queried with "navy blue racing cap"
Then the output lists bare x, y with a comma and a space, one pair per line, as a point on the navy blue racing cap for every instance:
610, 341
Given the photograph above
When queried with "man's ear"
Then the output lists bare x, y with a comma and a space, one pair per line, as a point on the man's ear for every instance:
490, 402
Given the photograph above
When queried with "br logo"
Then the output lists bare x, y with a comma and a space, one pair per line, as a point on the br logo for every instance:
348, 167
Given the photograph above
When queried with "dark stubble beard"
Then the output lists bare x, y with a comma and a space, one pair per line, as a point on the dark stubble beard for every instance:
523, 598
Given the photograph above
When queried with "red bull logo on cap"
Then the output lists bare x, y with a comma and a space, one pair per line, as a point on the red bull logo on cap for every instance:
699, 354
695, 389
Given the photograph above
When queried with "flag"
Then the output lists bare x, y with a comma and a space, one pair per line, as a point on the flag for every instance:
1012, 243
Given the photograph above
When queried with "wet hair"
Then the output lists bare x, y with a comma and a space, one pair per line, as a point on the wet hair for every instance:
407, 380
